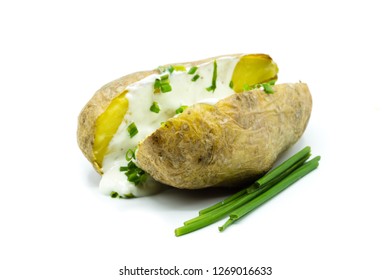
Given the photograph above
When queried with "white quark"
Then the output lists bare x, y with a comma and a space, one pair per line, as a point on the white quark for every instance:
141, 96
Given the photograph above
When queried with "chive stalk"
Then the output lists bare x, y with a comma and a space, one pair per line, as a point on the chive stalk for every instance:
248, 199
181, 109
269, 177
270, 193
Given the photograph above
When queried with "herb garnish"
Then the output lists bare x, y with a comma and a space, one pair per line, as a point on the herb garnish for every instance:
267, 87
162, 84
134, 174
214, 80
155, 108
181, 109
132, 129
195, 78
192, 70
172, 68
116, 195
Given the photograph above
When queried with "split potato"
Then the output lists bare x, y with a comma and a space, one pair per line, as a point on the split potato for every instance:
191, 125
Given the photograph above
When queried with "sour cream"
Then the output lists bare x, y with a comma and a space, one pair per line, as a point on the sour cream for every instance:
141, 96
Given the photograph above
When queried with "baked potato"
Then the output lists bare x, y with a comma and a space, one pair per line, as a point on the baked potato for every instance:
191, 125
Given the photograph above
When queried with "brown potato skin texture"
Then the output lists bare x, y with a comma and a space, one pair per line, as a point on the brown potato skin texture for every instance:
230, 143
102, 99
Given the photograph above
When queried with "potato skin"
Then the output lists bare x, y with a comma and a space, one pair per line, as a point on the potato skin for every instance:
230, 143
95, 107
102, 99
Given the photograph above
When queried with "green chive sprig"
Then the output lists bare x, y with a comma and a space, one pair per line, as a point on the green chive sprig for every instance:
243, 202
267, 87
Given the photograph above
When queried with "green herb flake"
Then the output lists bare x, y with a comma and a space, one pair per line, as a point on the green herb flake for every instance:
128, 195
130, 154
155, 108
180, 68
267, 88
170, 69
164, 78
133, 173
114, 194
192, 70
214, 80
132, 129
123, 168
166, 88
181, 109
231, 84
246, 87
195, 78
157, 86
162, 84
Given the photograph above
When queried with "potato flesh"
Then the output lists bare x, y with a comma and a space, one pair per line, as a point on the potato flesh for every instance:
247, 72
107, 124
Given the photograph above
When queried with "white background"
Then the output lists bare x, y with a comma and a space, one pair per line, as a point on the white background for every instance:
333, 224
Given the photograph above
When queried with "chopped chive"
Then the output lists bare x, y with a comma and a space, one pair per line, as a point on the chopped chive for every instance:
164, 77
195, 78
162, 84
128, 195
114, 194
132, 129
192, 70
155, 108
270, 193
123, 168
181, 109
157, 84
231, 84
166, 88
179, 68
170, 69
130, 154
268, 88
214, 79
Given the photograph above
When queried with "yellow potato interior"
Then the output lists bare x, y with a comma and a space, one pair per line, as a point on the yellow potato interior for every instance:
107, 124
253, 69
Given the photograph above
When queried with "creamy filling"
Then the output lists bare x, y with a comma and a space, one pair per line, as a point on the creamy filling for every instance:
141, 95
